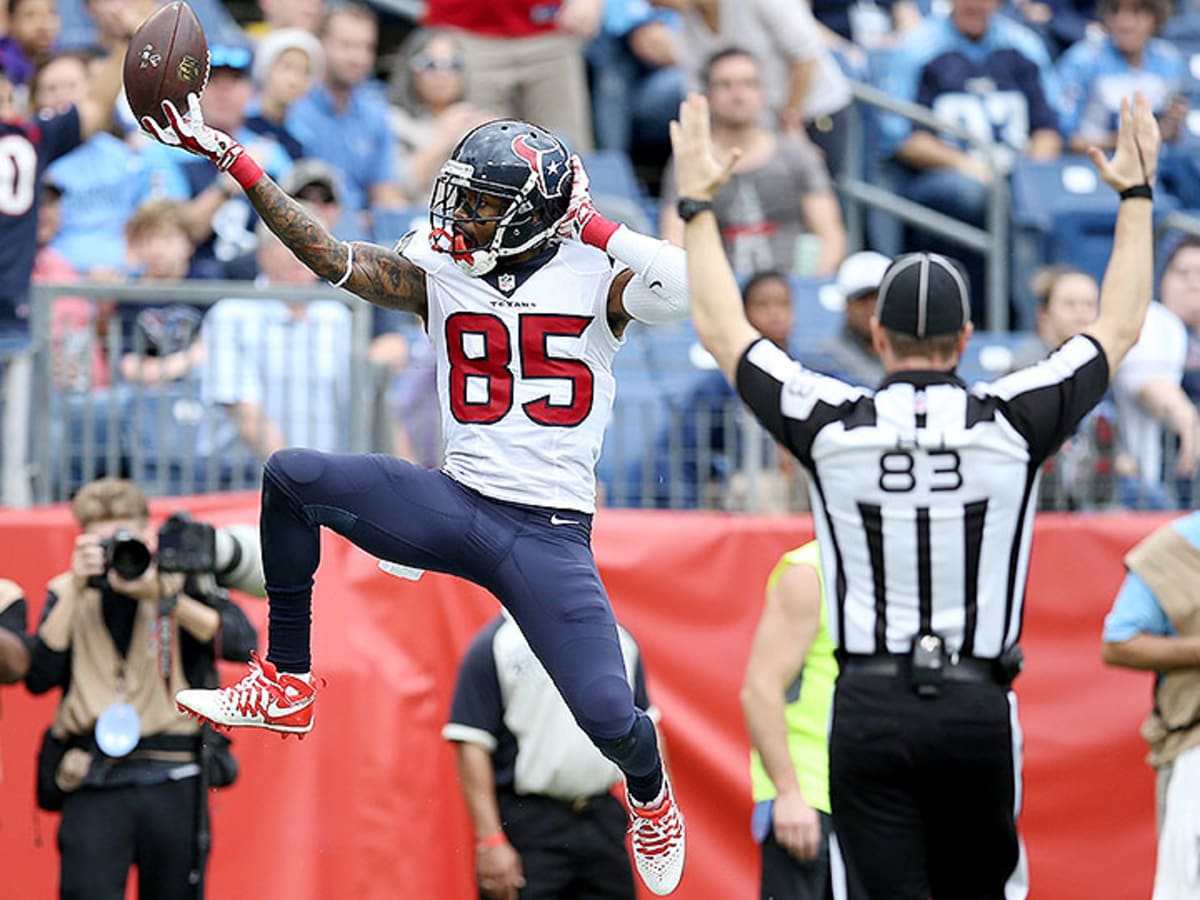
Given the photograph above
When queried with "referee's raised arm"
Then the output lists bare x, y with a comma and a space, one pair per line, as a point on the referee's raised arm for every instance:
717, 311
1128, 279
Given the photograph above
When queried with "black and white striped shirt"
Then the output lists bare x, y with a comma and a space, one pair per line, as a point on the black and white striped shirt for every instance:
923, 491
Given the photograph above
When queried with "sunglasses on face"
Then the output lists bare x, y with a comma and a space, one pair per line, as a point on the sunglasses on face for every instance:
426, 63
316, 195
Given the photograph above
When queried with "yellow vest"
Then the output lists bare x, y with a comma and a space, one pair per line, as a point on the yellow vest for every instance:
807, 715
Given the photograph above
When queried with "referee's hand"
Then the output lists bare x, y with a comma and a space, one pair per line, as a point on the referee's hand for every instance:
699, 169
796, 825
1135, 160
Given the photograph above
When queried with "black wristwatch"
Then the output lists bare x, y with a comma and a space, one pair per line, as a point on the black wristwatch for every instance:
689, 208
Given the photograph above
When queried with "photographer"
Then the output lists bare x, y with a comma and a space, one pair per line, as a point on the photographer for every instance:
120, 634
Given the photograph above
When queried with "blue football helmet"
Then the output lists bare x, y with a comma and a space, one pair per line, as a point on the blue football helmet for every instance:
507, 158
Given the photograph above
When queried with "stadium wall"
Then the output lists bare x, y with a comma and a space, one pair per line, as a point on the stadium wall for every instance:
367, 806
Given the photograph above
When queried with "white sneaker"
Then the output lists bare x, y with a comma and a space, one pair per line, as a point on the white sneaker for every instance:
264, 698
659, 843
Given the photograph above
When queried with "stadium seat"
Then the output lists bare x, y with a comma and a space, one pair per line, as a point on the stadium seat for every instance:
611, 174
818, 307
989, 355
1061, 213
654, 372
616, 190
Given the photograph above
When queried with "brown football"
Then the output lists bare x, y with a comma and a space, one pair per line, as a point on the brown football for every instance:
167, 59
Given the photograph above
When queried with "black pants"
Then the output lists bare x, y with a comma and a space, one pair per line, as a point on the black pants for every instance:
105, 831
568, 854
786, 878
923, 790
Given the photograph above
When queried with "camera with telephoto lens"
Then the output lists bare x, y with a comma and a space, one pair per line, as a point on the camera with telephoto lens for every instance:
232, 556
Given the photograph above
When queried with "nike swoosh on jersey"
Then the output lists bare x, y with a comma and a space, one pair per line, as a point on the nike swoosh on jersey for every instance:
555, 520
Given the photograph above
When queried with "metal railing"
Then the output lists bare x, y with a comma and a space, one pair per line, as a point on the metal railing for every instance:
155, 430
662, 450
859, 194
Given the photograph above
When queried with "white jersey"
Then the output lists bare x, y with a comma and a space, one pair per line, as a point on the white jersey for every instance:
524, 374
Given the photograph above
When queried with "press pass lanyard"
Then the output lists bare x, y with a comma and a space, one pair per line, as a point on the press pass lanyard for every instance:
164, 626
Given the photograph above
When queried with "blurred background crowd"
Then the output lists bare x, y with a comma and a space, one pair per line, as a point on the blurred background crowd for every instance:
173, 340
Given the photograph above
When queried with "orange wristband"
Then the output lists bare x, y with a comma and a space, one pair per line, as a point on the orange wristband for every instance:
494, 841
246, 171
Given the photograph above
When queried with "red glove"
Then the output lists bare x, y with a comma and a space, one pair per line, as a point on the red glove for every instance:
191, 134
582, 222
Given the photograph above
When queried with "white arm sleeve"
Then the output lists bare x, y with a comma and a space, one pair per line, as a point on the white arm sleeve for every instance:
657, 293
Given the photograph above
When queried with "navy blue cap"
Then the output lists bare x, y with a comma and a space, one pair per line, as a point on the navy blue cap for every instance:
924, 295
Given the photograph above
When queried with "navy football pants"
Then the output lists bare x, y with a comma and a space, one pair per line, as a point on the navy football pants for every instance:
543, 573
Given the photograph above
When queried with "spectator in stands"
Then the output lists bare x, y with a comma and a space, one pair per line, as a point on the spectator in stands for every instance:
77, 358
1179, 289
1151, 405
278, 14
1068, 300
1154, 625
636, 85
416, 419
699, 449
100, 183
84, 27
1096, 71
288, 62
33, 28
161, 343
1060, 23
222, 222
988, 74
523, 59
545, 821
428, 115
9, 108
868, 26
802, 82
128, 770
850, 355
343, 120
779, 202
281, 371
32, 147
1090, 470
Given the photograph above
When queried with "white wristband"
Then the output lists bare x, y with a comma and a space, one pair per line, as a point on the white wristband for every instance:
349, 267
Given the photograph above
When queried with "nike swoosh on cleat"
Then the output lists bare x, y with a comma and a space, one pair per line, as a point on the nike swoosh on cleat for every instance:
275, 711
555, 520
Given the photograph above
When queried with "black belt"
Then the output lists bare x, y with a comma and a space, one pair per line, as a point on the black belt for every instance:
575, 805
974, 669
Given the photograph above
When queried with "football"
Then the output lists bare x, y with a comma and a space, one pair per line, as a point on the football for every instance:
167, 59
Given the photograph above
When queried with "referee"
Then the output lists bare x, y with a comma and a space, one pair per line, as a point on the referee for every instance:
923, 501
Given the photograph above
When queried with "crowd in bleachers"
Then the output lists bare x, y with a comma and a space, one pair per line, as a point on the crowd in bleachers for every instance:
353, 109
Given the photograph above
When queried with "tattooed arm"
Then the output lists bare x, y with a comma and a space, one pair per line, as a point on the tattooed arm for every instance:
381, 276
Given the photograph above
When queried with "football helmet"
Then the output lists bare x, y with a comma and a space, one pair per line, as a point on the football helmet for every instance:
522, 164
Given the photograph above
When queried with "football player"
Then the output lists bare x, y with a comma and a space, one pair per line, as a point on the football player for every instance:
515, 281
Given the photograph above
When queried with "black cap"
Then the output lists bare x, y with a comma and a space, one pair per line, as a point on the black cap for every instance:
923, 295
